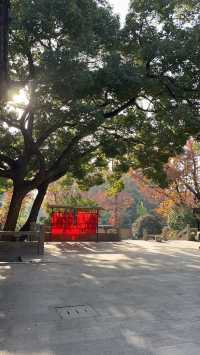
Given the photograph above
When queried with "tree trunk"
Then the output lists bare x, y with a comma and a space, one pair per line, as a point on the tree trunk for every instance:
14, 209
36, 207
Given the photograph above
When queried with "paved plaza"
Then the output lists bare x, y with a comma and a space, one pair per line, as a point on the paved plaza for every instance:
127, 298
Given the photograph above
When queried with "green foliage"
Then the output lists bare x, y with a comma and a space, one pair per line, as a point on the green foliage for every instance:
5, 185
60, 47
132, 214
45, 219
150, 223
71, 201
141, 209
114, 186
80, 202
179, 217
66, 191
97, 92
196, 148
105, 216
160, 35
84, 69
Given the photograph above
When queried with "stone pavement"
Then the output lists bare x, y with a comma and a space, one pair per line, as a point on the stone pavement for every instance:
133, 298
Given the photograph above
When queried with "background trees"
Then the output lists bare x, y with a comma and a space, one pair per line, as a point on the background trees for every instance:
183, 172
148, 223
177, 200
92, 92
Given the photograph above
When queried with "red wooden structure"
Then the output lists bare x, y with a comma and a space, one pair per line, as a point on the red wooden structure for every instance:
74, 223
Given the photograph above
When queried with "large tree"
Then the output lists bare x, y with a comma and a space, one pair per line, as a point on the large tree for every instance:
4, 26
95, 92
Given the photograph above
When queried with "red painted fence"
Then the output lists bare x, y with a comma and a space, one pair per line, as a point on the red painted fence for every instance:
74, 225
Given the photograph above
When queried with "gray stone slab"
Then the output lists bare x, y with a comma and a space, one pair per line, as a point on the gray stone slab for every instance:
184, 349
145, 298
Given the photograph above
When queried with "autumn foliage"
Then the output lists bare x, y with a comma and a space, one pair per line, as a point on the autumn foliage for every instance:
115, 205
183, 175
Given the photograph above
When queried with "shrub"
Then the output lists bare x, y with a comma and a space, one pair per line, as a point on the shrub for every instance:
150, 223
179, 217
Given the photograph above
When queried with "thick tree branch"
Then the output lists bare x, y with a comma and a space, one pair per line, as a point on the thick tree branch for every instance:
64, 153
47, 133
115, 112
57, 174
30, 64
32, 149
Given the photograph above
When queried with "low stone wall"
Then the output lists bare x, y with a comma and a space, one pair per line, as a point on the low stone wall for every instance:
20, 244
102, 237
108, 237
11, 251
125, 233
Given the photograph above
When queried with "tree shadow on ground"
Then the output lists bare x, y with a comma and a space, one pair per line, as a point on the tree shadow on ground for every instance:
145, 296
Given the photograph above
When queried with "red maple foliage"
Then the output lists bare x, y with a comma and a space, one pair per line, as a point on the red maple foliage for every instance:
115, 205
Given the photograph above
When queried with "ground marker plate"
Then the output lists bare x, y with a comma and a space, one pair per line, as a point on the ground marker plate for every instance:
72, 312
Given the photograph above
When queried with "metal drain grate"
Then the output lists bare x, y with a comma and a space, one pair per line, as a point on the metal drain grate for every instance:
71, 312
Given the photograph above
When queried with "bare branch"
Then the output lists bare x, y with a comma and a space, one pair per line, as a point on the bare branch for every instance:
190, 188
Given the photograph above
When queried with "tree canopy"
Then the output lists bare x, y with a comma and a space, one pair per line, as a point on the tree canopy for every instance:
93, 91
4, 23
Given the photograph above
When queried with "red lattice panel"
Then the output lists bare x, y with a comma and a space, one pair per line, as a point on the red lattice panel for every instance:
73, 225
